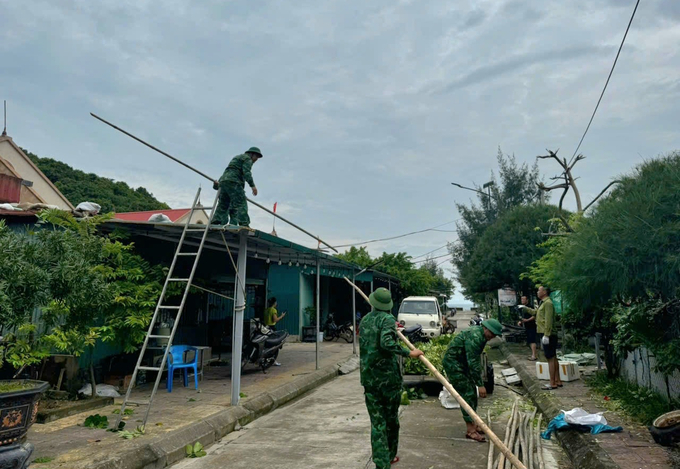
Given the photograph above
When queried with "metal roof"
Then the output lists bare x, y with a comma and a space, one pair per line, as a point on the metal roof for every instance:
261, 245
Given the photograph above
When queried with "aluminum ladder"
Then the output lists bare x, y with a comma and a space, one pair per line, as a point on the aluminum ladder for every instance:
161, 307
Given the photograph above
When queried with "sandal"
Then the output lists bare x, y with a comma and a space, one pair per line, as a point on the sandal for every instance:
480, 431
531, 359
395, 460
476, 437
560, 385
547, 387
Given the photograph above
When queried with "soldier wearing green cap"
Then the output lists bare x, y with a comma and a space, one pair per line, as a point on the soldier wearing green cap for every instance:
381, 377
232, 208
463, 367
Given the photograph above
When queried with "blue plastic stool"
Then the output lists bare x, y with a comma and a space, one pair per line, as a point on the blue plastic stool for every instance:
176, 362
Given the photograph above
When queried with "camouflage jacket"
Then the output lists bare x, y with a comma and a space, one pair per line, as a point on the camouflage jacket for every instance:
239, 171
379, 347
464, 353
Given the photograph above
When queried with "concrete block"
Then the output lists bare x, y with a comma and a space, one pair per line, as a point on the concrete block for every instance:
224, 422
260, 405
349, 366
170, 447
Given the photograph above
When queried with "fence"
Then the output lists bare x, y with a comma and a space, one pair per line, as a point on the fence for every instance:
638, 367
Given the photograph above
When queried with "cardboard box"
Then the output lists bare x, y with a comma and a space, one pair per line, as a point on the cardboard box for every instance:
569, 371
121, 382
542, 371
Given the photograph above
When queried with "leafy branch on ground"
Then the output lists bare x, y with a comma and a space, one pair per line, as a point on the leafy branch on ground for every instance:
136, 433
195, 451
97, 421
639, 403
434, 351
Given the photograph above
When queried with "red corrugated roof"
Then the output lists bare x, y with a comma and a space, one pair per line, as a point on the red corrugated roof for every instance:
173, 214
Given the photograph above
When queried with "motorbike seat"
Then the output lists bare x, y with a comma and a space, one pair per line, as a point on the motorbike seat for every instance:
276, 338
412, 329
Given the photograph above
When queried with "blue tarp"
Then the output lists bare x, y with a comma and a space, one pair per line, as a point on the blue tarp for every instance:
558, 423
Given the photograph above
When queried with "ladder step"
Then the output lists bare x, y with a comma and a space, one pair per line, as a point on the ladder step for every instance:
159, 337
196, 229
150, 368
187, 253
168, 307
202, 207
178, 280
137, 402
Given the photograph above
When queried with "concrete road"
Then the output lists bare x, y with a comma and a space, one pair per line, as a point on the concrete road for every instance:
329, 428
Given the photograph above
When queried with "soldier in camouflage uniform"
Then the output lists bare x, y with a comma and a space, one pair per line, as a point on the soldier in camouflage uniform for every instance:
463, 367
233, 206
381, 377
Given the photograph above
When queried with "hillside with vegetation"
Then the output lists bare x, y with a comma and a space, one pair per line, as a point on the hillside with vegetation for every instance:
78, 186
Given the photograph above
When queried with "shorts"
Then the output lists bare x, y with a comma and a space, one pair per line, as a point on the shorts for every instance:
531, 335
550, 350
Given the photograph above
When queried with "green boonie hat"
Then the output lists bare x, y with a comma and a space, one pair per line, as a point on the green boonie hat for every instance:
254, 150
381, 299
494, 326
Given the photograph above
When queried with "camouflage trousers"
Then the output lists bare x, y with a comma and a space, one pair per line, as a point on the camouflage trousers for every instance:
383, 408
232, 207
464, 386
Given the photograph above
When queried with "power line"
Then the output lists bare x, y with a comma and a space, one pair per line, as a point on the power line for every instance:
432, 258
445, 260
607, 83
427, 253
399, 236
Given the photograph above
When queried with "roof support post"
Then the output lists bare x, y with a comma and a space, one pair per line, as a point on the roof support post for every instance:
318, 309
239, 307
354, 314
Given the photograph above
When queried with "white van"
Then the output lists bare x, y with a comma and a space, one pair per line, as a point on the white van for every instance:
423, 310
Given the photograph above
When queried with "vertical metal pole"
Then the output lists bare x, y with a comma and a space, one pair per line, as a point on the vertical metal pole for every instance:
354, 313
318, 307
239, 307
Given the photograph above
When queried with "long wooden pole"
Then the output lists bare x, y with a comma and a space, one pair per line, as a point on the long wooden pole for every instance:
177, 160
492, 436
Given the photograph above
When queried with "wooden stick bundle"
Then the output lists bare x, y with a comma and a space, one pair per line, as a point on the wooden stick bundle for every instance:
492, 436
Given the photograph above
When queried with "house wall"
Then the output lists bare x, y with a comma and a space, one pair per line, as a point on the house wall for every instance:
283, 282
28, 171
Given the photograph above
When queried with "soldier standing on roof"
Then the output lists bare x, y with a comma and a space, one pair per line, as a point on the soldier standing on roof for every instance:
463, 367
233, 206
380, 376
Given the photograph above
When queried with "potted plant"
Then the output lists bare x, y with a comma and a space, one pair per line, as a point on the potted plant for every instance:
309, 332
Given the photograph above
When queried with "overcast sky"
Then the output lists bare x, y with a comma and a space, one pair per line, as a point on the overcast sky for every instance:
365, 111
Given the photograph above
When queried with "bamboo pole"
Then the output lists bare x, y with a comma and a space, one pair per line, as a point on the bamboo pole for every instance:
511, 441
523, 440
508, 426
539, 444
531, 439
489, 460
492, 436
177, 160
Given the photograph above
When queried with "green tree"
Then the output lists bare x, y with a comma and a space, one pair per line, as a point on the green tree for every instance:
91, 288
516, 185
358, 256
618, 271
77, 186
508, 248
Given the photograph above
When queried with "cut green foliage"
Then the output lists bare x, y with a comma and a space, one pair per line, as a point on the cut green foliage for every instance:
44, 459
125, 412
434, 352
195, 451
136, 433
242, 395
191, 399
96, 421
639, 403
120, 427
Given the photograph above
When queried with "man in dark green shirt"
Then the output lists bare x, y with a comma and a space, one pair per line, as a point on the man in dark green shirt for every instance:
381, 377
463, 367
233, 206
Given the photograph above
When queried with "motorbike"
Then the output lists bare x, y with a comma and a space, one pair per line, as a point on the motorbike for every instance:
332, 331
476, 320
414, 334
261, 345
